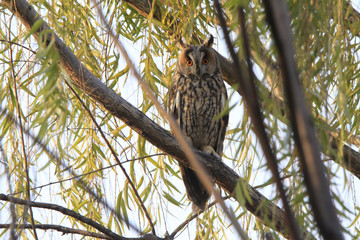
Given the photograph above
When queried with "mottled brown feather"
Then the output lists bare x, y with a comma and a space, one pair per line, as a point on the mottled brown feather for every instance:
196, 96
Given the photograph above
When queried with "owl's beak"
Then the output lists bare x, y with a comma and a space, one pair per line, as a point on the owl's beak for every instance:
198, 70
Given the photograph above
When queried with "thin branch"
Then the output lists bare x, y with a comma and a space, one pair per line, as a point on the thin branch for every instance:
64, 211
304, 134
22, 140
64, 230
91, 172
116, 158
194, 216
17, 44
12, 205
67, 230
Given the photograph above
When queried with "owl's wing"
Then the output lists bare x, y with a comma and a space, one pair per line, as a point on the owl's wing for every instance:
175, 104
223, 124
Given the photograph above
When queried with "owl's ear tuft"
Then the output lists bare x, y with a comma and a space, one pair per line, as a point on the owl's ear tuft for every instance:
182, 43
209, 41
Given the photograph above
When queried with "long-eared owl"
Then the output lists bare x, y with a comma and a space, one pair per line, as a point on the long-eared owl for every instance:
197, 96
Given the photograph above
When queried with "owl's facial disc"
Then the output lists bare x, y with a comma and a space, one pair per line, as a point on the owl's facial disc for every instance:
198, 61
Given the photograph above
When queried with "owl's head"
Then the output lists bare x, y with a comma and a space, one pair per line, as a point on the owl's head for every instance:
198, 60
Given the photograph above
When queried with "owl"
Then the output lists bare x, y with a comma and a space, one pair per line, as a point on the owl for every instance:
196, 97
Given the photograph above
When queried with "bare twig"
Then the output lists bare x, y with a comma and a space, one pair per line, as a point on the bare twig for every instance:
67, 230
64, 230
142, 205
304, 134
194, 216
91, 172
26, 160
12, 205
64, 211
17, 44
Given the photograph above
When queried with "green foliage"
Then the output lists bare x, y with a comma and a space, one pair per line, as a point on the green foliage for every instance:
328, 68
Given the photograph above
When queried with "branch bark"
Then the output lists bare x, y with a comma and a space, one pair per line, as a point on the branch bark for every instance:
255, 202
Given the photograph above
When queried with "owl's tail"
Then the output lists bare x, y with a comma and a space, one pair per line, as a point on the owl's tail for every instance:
195, 190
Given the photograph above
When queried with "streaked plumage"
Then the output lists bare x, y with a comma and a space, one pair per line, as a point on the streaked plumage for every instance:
196, 96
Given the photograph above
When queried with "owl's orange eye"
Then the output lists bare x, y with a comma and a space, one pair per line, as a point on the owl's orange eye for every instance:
189, 62
205, 61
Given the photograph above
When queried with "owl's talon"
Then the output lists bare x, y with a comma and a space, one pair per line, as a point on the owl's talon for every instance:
209, 150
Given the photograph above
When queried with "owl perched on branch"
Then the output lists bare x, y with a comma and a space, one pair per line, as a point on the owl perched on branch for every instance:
197, 96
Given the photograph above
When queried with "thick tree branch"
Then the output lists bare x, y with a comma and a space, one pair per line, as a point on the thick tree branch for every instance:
144, 126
